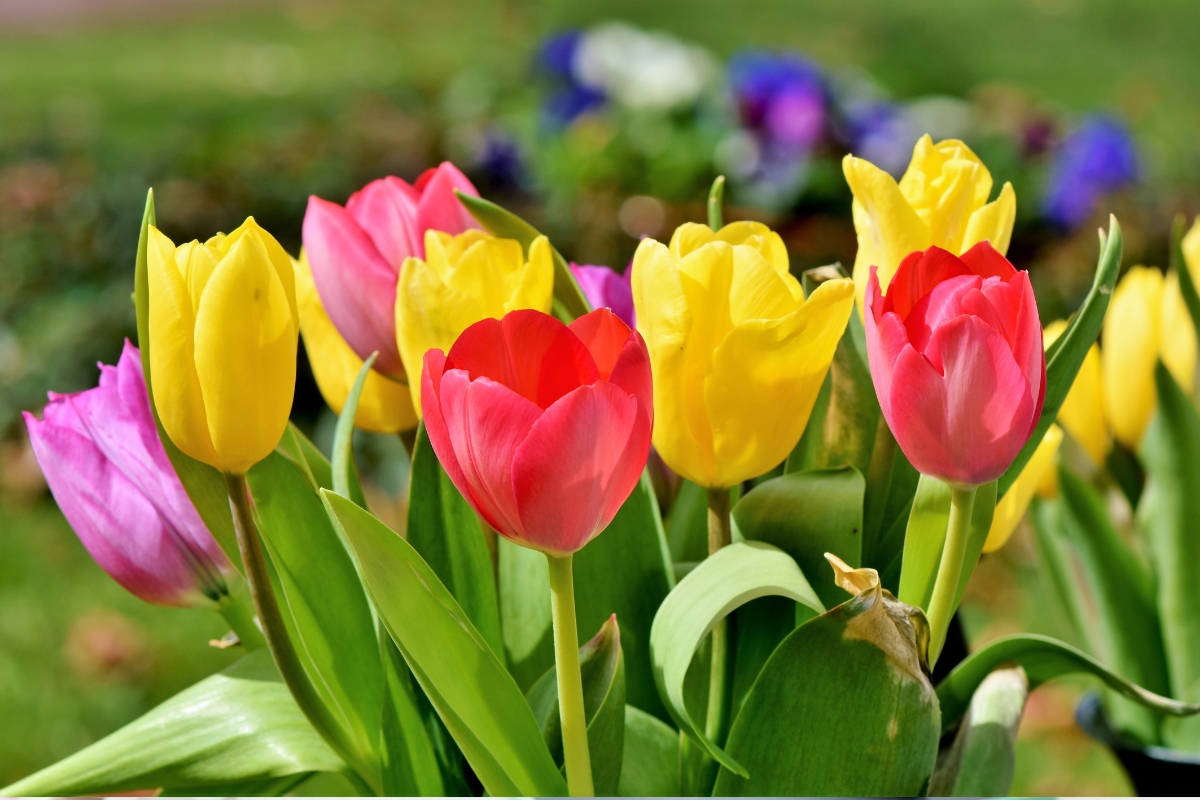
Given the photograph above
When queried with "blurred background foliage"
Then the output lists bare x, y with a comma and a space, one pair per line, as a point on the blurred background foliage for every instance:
236, 109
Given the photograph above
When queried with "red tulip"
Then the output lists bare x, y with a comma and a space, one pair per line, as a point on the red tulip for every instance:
956, 356
544, 428
356, 252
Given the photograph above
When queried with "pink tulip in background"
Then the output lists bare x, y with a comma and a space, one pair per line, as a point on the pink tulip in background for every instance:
356, 252
107, 469
607, 288
956, 356
544, 428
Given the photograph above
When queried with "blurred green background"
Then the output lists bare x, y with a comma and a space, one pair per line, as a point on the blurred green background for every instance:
248, 108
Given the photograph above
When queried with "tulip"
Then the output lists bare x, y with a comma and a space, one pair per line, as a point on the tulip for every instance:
942, 201
1038, 477
1082, 412
607, 288
739, 355
223, 333
384, 406
955, 349
101, 455
1131, 337
356, 252
465, 279
544, 428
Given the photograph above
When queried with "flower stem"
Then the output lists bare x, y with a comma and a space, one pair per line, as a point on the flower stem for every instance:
719, 535
945, 589
570, 682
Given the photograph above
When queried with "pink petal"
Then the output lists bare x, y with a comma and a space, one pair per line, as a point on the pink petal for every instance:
605, 288
942, 304
633, 374
439, 209
578, 465
987, 262
885, 341
604, 335
435, 421
917, 276
387, 210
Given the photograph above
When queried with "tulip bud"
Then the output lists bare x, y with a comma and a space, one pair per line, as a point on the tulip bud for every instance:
223, 332
384, 405
1038, 477
544, 428
739, 355
942, 201
356, 252
101, 455
465, 279
1132, 329
607, 288
955, 348
1082, 412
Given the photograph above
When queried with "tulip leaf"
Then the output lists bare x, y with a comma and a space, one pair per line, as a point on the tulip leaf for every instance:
843, 707
269, 787
311, 462
981, 761
1060, 564
331, 621
1170, 515
444, 529
239, 725
569, 300
602, 668
1043, 659
525, 611
1065, 356
650, 767
456, 667
345, 471
1187, 286
729, 578
926, 535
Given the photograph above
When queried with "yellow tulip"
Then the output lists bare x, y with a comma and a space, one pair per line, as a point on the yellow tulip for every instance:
462, 280
384, 405
1131, 348
223, 333
1082, 412
941, 200
1040, 476
1176, 334
737, 352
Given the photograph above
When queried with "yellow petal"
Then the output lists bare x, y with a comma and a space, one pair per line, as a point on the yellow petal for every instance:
278, 257
1177, 335
993, 222
887, 226
1082, 412
945, 184
385, 406
173, 378
764, 381
690, 237
1012, 506
758, 291
246, 354
1129, 353
535, 283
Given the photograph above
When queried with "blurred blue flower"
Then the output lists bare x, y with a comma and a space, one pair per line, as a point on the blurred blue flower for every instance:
499, 159
880, 132
557, 53
556, 58
1097, 158
781, 97
563, 106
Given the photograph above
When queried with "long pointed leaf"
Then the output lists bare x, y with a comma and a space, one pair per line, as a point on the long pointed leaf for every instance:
650, 767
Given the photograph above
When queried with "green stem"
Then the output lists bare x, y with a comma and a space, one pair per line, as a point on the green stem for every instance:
570, 682
237, 609
945, 589
715, 196
719, 535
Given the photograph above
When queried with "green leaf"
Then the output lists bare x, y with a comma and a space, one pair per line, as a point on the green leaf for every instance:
320, 594
731, 577
808, 514
926, 535
569, 300
1171, 520
444, 529
1178, 262
525, 611
650, 767
474, 695
843, 707
409, 762
345, 471
983, 757
239, 725
269, 787
1058, 562
602, 669
1066, 355
1043, 659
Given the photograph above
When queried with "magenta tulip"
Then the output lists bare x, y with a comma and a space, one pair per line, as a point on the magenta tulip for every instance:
607, 288
356, 252
956, 356
544, 428
106, 467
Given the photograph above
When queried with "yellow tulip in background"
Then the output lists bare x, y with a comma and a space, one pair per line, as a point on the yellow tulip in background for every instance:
462, 280
1040, 477
941, 200
1082, 412
738, 354
223, 334
385, 405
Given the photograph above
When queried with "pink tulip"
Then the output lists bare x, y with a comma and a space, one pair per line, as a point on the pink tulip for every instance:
544, 428
356, 252
607, 288
101, 455
956, 356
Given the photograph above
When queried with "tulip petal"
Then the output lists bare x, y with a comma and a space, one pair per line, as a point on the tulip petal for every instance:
435, 420
439, 209
993, 222
633, 374
606, 288
604, 335
577, 466
935, 309
946, 184
918, 275
1131, 347
386, 210
1016, 500
757, 290
535, 282
987, 261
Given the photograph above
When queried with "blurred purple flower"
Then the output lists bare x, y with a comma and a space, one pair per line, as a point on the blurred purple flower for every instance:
1097, 158
557, 53
565, 105
499, 160
607, 288
881, 133
556, 58
780, 96
102, 458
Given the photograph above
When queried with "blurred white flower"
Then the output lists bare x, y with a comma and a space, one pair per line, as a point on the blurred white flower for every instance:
640, 69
